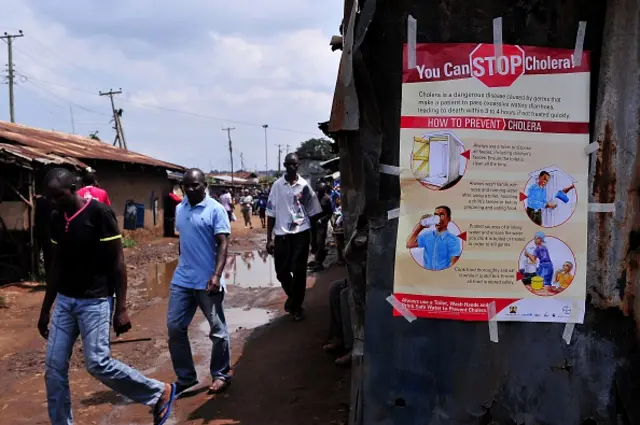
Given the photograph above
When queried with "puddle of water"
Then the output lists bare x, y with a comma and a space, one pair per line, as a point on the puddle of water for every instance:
252, 269
240, 318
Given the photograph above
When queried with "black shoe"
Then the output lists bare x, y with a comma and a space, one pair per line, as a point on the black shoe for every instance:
299, 316
287, 306
181, 388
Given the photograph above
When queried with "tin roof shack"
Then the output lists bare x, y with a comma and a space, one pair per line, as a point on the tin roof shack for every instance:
449, 372
129, 177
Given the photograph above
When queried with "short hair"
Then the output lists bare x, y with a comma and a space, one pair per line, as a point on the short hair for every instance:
544, 173
446, 209
65, 178
196, 173
292, 157
89, 178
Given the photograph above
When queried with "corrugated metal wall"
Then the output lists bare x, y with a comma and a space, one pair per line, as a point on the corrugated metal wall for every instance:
446, 372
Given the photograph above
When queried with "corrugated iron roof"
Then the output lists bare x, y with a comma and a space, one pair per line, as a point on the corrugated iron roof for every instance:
43, 143
29, 154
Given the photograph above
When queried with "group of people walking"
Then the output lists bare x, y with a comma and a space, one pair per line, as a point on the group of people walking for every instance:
87, 280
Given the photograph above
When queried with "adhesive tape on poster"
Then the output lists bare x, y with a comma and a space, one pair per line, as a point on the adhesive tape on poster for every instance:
497, 41
389, 169
412, 31
401, 308
568, 331
577, 51
592, 147
395, 213
493, 324
601, 208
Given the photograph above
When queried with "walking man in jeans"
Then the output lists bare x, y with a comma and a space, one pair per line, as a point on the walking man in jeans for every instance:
290, 206
87, 269
204, 230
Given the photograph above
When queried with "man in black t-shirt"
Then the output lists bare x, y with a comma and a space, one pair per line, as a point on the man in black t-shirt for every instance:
87, 269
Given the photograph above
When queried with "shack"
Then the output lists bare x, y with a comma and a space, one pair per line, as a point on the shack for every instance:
449, 372
27, 153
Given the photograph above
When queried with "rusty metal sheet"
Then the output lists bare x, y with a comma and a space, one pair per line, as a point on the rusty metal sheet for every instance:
55, 145
30, 154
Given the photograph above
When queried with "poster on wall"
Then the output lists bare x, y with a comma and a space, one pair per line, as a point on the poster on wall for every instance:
494, 184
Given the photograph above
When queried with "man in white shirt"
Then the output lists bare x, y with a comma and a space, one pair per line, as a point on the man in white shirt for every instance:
227, 203
246, 204
291, 205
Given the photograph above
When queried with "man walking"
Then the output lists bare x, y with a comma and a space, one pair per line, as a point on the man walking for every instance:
290, 206
203, 225
227, 203
87, 269
91, 189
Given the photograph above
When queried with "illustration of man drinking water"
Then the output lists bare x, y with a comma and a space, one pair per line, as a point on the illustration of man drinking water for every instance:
441, 248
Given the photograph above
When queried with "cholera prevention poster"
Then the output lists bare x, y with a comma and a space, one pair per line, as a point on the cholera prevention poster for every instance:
494, 183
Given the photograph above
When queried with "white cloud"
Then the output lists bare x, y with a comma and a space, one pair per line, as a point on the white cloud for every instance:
253, 72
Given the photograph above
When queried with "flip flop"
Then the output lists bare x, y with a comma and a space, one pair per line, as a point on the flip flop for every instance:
161, 420
224, 386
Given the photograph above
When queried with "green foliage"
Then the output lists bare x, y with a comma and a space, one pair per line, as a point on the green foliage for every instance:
319, 149
128, 242
266, 180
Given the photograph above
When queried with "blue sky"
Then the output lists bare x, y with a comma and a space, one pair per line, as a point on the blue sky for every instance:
241, 64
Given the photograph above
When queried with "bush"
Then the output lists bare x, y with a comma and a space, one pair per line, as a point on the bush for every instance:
128, 242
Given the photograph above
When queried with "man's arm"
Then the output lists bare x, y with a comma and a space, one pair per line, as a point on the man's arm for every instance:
412, 242
53, 277
270, 212
222, 230
113, 254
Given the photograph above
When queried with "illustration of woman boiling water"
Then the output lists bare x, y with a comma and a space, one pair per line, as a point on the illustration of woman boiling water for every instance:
541, 254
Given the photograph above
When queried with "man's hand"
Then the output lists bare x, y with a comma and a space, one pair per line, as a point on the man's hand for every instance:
43, 324
271, 247
213, 286
121, 321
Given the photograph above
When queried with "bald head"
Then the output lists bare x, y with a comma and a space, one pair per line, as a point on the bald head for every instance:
194, 185
60, 189
291, 165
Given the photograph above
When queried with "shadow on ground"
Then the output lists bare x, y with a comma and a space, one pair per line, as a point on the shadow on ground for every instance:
283, 377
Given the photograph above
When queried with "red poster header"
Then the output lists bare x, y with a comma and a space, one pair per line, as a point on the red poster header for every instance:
441, 62
496, 124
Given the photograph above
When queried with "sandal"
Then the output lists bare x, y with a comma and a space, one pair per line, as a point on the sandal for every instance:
160, 418
217, 389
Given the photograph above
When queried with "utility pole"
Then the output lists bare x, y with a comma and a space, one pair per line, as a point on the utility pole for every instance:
228, 130
266, 155
288, 151
279, 158
73, 124
242, 162
8, 38
116, 119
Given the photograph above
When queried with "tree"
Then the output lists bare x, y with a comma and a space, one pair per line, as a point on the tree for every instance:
320, 149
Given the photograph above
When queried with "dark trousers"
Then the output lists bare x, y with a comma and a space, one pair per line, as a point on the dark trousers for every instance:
340, 322
291, 254
339, 237
535, 216
321, 240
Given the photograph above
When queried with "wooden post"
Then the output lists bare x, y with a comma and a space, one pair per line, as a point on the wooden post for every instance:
32, 213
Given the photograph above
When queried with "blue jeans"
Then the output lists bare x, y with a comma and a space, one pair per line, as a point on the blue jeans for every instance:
183, 303
91, 319
545, 271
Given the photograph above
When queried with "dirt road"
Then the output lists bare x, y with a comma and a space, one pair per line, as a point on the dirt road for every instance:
281, 375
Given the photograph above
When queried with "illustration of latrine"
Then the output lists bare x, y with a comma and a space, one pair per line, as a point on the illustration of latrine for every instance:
437, 160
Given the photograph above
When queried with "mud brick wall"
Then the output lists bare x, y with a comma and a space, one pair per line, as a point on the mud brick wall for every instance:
131, 182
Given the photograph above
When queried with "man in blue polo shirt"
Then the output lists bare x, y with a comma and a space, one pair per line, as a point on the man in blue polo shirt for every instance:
203, 225
441, 249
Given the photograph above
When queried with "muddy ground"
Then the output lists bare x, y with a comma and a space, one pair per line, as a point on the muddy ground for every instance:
281, 375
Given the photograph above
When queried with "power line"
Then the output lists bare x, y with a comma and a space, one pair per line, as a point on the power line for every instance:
66, 100
176, 111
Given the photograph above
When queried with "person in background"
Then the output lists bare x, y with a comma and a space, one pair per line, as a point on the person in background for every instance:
88, 268
337, 221
262, 208
204, 230
290, 206
246, 203
340, 334
227, 202
322, 224
91, 189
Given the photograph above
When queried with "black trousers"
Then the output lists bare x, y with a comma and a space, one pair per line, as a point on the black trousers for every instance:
291, 255
321, 241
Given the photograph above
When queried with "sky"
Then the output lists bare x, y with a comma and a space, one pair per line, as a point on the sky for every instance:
186, 69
